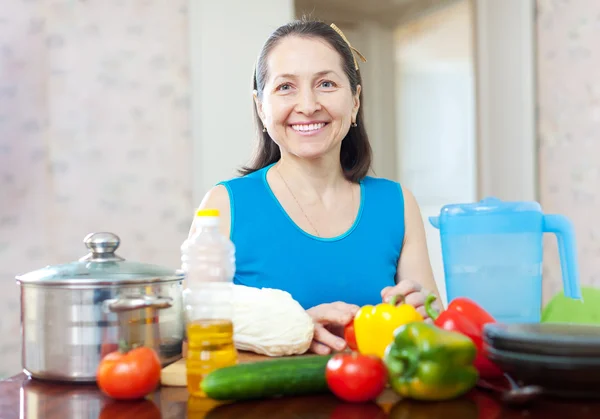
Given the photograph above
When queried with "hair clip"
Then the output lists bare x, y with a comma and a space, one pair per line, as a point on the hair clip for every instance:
362, 57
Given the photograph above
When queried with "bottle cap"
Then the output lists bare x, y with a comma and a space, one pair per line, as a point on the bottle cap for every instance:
207, 212
207, 217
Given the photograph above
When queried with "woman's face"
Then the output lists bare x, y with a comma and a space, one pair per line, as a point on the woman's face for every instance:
307, 105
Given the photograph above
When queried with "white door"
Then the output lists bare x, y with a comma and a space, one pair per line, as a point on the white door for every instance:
435, 121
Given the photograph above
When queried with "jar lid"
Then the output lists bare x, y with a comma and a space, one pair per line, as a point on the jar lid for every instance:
554, 339
101, 266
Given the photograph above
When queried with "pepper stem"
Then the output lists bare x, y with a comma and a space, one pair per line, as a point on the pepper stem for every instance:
431, 312
394, 300
123, 346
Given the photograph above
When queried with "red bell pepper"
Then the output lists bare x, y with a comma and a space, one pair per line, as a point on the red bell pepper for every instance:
350, 336
467, 317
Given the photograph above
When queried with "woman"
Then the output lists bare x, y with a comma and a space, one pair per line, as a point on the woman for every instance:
305, 217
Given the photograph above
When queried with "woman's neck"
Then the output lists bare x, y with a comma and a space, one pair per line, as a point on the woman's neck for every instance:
314, 179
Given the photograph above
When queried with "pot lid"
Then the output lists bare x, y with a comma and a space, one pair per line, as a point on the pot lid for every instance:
101, 266
555, 339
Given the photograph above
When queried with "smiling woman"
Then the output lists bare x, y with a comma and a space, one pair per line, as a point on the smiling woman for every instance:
305, 216
306, 111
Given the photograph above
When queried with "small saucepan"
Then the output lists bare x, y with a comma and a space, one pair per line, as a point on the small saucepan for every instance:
73, 314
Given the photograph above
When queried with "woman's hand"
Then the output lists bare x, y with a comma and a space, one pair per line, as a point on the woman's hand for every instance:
412, 293
330, 320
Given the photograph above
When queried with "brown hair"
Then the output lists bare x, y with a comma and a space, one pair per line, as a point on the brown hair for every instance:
355, 154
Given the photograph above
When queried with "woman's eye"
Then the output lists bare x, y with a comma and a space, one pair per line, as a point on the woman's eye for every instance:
328, 84
284, 86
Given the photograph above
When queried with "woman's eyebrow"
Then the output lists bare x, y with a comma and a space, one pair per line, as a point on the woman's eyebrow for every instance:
293, 76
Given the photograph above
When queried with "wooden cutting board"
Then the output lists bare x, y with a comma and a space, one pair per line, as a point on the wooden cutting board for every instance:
174, 375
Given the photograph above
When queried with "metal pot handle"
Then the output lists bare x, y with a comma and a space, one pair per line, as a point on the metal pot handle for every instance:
135, 303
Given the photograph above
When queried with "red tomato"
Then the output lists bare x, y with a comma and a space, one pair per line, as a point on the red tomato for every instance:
129, 375
356, 378
350, 336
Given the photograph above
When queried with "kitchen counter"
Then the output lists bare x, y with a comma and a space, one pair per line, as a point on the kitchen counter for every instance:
22, 398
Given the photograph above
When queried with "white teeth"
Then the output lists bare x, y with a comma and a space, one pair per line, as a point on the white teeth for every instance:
308, 127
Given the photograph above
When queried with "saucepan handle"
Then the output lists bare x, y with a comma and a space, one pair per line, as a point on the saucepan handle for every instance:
138, 302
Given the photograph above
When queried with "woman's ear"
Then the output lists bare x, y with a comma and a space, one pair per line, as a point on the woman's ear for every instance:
258, 105
356, 99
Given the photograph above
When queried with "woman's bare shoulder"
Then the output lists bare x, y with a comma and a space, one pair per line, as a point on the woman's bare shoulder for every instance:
218, 198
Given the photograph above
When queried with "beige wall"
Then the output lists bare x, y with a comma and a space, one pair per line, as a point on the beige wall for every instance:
568, 60
117, 116
94, 136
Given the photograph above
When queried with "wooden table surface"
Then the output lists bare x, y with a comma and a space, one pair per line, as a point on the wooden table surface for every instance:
21, 398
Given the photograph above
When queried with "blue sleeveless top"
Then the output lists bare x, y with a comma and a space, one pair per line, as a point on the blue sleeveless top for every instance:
273, 252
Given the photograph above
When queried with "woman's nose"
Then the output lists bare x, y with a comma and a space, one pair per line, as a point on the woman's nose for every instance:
308, 102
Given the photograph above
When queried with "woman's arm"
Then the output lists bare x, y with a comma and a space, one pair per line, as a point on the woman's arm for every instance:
217, 198
414, 276
414, 263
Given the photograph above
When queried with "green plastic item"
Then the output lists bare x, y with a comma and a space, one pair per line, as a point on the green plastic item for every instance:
566, 310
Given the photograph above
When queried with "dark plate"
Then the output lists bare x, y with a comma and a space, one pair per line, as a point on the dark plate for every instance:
557, 375
552, 339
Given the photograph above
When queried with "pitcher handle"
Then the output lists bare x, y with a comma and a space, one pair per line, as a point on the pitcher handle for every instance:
562, 227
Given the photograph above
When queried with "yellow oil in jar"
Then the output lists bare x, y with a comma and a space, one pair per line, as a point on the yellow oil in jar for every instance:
210, 346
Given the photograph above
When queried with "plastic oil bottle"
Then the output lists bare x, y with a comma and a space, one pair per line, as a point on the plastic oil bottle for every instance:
208, 260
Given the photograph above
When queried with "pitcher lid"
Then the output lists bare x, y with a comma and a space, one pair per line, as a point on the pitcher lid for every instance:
490, 205
101, 266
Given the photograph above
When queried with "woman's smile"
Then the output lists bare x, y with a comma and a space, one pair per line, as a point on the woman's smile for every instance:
308, 128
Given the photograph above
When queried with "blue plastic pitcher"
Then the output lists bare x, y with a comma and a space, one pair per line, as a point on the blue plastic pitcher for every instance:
492, 254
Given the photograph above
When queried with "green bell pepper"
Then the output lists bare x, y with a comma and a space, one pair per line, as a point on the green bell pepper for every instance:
425, 362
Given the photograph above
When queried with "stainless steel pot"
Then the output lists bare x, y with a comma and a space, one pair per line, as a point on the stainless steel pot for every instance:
75, 313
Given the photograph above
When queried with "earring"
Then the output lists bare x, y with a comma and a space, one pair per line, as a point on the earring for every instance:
354, 124
264, 129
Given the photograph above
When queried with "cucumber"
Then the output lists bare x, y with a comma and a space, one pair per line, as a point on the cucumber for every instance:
266, 379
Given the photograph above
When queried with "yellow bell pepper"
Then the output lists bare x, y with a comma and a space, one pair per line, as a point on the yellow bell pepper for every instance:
374, 326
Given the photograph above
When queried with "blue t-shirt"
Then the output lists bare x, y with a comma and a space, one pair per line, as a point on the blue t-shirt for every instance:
273, 252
